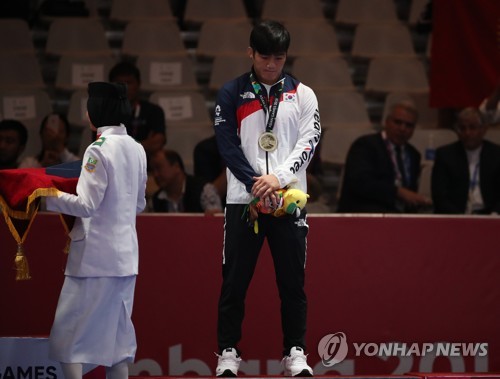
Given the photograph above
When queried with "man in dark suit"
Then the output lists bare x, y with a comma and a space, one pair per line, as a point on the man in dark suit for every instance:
178, 191
466, 174
382, 170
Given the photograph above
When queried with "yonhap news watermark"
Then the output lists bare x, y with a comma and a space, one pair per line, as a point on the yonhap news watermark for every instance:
333, 348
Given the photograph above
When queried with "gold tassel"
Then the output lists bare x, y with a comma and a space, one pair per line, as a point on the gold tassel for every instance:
22, 268
66, 248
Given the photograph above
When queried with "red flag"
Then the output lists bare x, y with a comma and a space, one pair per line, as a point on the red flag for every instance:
20, 192
465, 53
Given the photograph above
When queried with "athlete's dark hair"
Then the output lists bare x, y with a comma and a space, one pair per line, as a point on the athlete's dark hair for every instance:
270, 37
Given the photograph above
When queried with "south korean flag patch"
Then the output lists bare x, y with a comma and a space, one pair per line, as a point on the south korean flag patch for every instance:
290, 97
91, 164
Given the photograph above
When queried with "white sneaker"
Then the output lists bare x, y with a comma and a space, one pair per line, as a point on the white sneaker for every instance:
228, 363
295, 363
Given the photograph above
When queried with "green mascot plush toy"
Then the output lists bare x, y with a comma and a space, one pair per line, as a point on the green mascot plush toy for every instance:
290, 202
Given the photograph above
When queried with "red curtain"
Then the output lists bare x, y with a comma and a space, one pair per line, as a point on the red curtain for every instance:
465, 53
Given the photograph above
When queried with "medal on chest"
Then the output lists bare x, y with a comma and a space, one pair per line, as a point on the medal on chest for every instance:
268, 141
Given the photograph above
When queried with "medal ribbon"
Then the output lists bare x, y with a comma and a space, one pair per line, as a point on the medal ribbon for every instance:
264, 102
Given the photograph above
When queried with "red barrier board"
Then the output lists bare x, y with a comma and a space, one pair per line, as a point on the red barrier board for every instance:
455, 376
401, 289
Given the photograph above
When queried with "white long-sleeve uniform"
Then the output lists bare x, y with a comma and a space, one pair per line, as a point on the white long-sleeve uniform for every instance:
110, 192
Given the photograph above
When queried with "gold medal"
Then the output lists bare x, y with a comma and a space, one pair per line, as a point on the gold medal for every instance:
268, 141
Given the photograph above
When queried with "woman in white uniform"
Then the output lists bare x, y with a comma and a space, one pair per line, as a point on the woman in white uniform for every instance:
93, 318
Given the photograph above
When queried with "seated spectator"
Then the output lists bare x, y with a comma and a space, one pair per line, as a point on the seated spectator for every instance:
178, 191
208, 165
382, 170
54, 132
13, 138
147, 125
466, 173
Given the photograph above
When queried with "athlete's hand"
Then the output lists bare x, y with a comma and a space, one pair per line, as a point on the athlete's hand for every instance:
266, 186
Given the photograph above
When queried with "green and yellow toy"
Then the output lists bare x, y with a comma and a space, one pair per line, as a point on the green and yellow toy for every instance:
290, 202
